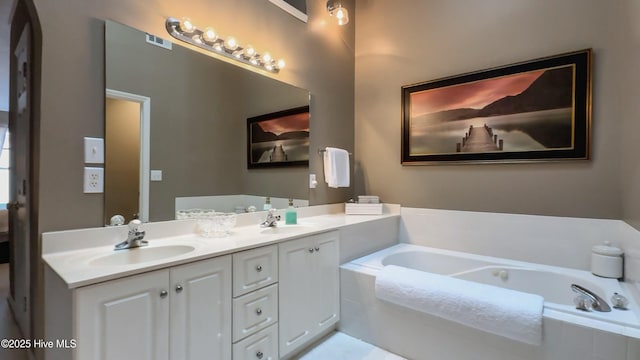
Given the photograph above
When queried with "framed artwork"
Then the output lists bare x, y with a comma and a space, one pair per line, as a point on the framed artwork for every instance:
539, 110
278, 139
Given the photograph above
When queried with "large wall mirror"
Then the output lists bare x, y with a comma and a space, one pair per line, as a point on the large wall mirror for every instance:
175, 131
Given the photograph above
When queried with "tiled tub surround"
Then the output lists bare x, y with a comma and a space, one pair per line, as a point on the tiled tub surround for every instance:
560, 242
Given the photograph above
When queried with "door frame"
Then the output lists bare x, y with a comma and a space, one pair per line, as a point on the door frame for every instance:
145, 145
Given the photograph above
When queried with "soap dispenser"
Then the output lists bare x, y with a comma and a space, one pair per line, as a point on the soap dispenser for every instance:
291, 215
267, 204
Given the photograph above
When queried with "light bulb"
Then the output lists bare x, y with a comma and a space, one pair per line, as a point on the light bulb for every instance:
231, 43
217, 46
254, 60
197, 38
209, 35
268, 66
342, 15
249, 51
186, 25
281, 63
266, 57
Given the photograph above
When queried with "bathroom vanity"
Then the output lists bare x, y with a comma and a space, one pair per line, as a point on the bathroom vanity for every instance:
256, 294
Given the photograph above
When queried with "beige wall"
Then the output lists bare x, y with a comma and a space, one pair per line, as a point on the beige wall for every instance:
404, 42
630, 109
319, 57
122, 165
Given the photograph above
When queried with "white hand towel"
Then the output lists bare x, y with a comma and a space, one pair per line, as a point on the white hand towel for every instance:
336, 167
512, 314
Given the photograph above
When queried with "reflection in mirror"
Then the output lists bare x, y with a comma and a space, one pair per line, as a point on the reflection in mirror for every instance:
198, 108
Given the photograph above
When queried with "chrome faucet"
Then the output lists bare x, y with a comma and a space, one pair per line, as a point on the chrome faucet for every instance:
134, 238
598, 303
271, 220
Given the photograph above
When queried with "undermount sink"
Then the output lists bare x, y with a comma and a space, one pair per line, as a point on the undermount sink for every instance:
141, 255
287, 229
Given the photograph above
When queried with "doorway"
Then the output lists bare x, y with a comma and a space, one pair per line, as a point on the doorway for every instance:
127, 139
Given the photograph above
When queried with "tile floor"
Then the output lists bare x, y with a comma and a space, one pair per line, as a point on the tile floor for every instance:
340, 346
8, 328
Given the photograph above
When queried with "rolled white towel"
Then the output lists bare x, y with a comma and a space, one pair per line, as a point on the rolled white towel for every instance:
509, 313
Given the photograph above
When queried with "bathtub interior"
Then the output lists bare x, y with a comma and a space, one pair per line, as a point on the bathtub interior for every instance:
552, 283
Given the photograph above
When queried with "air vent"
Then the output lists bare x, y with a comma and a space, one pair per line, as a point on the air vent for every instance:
152, 39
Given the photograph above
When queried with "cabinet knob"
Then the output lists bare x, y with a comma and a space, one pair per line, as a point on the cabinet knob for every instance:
259, 311
259, 354
179, 288
310, 250
163, 294
259, 268
317, 249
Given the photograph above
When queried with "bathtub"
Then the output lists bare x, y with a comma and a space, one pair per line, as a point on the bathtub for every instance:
566, 330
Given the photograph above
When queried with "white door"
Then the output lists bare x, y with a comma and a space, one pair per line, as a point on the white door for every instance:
20, 193
124, 319
295, 297
201, 310
326, 280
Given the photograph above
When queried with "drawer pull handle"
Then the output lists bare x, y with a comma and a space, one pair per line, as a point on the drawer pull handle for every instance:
259, 311
317, 249
163, 294
179, 289
259, 268
310, 250
259, 354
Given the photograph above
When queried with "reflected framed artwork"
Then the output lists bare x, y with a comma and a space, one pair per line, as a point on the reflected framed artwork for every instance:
539, 110
278, 139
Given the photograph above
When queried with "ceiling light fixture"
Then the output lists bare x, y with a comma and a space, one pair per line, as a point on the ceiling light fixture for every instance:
209, 39
335, 8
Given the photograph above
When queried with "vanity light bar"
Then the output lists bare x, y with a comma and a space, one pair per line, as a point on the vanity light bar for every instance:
207, 39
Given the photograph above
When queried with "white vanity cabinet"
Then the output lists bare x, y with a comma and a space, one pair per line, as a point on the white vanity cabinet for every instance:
181, 313
309, 289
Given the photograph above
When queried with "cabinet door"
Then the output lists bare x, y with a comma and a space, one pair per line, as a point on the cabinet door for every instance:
124, 319
326, 280
295, 319
201, 310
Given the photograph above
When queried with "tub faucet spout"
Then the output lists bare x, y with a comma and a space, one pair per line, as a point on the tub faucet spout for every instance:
599, 304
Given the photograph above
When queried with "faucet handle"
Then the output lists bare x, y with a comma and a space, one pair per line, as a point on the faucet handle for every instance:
134, 225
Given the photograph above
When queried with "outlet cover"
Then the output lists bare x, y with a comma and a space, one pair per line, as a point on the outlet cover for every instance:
93, 180
156, 175
93, 150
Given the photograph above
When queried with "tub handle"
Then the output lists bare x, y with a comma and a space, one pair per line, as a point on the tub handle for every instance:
599, 304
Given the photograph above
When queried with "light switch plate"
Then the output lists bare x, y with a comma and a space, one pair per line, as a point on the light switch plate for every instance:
93, 180
313, 183
93, 150
156, 175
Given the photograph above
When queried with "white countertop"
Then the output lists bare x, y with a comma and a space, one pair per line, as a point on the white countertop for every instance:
70, 253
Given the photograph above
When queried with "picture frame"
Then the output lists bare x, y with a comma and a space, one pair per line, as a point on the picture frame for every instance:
538, 110
278, 139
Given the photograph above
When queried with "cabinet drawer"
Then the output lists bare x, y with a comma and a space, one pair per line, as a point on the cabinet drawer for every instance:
253, 269
255, 311
261, 346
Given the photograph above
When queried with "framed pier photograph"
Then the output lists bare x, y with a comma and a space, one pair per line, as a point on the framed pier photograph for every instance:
278, 139
539, 110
